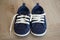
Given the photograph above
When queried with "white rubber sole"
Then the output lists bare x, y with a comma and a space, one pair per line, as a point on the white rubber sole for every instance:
39, 34
22, 35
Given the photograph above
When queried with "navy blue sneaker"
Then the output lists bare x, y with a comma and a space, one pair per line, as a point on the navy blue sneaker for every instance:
22, 21
38, 23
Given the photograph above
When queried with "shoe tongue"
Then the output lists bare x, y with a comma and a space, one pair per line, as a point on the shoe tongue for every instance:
37, 4
23, 10
23, 4
37, 9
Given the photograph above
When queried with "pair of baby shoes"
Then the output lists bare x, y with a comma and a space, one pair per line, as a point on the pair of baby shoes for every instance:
25, 22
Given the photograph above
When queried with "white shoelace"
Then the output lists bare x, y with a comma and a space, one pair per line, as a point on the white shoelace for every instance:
22, 20
12, 22
38, 18
19, 20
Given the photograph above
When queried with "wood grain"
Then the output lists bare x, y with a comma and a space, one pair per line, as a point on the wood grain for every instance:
9, 7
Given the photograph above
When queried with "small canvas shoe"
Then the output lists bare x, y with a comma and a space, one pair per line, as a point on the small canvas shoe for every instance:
22, 21
38, 23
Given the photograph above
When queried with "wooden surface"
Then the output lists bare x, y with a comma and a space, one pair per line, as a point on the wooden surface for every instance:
9, 7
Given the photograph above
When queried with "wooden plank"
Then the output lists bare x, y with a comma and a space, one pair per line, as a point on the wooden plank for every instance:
9, 7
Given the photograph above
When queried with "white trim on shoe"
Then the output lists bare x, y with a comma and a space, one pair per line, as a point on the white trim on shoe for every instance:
23, 34
39, 34
12, 26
